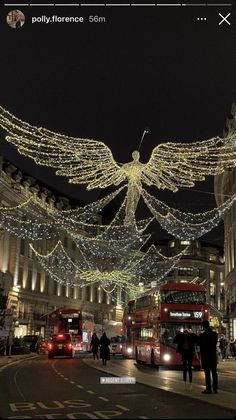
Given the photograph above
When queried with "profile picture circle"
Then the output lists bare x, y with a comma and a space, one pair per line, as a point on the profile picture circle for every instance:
15, 19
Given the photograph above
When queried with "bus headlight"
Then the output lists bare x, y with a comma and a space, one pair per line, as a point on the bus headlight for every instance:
129, 350
166, 357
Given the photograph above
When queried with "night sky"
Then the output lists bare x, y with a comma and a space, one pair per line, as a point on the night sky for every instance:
144, 66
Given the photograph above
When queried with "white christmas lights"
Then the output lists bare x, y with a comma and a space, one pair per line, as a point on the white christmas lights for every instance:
124, 272
86, 161
184, 225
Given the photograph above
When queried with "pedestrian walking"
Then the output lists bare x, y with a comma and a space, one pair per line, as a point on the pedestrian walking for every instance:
95, 343
186, 346
223, 347
208, 349
233, 348
104, 348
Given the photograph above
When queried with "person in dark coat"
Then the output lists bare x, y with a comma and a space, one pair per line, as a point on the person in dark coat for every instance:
208, 349
223, 347
186, 343
104, 348
95, 343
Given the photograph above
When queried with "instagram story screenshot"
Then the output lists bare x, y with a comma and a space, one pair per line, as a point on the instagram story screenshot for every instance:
117, 209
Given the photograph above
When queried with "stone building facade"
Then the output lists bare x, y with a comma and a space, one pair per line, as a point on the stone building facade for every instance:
225, 186
204, 264
32, 294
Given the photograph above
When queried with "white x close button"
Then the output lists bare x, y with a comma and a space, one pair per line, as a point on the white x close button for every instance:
224, 19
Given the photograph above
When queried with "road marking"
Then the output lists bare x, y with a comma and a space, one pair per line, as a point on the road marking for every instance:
103, 398
142, 417
16, 384
122, 407
107, 414
72, 382
79, 386
90, 392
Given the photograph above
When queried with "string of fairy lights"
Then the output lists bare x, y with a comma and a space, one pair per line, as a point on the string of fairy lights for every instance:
126, 273
183, 225
111, 255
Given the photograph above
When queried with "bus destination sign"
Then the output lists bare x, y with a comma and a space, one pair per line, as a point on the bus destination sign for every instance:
186, 315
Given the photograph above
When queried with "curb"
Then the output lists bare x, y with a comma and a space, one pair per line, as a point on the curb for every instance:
15, 361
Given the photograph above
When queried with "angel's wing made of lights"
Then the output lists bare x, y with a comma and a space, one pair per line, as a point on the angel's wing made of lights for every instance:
84, 161
176, 165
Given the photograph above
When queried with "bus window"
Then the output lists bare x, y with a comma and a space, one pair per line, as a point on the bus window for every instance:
118, 339
169, 331
183, 296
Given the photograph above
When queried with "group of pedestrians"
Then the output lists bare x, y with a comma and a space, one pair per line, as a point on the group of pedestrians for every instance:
207, 341
226, 349
103, 345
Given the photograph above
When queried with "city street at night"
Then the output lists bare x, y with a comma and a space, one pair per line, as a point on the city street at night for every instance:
118, 210
71, 388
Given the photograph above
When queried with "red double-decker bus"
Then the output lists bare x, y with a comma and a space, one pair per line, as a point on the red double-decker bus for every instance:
128, 330
76, 322
163, 312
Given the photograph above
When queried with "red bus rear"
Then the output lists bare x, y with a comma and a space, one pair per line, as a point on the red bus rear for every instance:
76, 322
163, 312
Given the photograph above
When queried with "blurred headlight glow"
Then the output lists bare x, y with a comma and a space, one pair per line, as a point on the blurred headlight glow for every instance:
166, 357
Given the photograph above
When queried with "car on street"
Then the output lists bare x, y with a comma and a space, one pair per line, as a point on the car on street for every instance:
31, 341
61, 345
116, 345
42, 347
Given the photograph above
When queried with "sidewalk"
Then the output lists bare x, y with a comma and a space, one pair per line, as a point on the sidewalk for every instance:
229, 366
168, 382
8, 360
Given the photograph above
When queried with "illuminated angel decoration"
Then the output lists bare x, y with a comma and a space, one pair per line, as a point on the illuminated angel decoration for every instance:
90, 162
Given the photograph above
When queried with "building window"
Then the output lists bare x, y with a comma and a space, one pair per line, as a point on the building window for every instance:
30, 253
55, 288
79, 293
63, 290
212, 257
212, 274
185, 242
185, 271
212, 289
38, 279
95, 294
29, 278
87, 293
104, 297
20, 277
46, 283
22, 247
